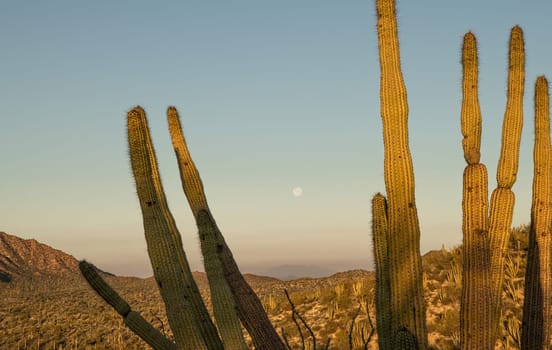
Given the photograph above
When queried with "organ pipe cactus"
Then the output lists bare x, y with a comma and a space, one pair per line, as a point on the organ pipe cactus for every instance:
486, 236
233, 299
537, 306
224, 276
403, 260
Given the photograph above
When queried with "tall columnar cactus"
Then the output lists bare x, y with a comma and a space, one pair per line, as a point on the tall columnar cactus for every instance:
537, 306
475, 310
232, 298
228, 287
486, 237
186, 312
403, 251
221, 295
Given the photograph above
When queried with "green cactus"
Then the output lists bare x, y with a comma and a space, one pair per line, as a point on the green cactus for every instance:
485, 236
404, 260
381, 251
232, 298
221, 296
186, 312
132, 319
229, 290
537, 306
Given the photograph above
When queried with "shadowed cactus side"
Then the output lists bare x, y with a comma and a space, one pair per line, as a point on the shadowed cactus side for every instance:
229, 290
486, 235
232, 298
383, 297
537, 306
402, 233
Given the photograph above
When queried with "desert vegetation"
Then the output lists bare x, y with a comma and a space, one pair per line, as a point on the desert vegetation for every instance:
62, 312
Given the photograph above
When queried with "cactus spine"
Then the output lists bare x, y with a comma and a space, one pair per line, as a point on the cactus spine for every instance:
486, 237
405, 265
229, 290
537, 306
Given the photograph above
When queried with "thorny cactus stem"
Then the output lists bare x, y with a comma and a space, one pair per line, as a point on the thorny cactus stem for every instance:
229, 290
132, 319
537, 306
405, 263
502, 198
224, 307
486, 237
186, 312
475, 307
383, 297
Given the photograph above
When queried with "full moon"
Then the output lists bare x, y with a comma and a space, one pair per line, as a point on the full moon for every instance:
297, 191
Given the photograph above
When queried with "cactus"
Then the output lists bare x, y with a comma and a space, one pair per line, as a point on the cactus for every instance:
233, 299
476, 290
407, 305
485, 236
221, 295
186, 312
537, 306
229, 290
132, 319
382, 297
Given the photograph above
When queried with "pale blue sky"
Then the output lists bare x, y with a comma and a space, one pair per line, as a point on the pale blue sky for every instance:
273, 94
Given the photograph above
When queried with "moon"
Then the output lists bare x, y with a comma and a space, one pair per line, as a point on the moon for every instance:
297, 191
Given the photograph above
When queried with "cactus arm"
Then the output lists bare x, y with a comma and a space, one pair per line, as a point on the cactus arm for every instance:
475, 306
132, 319
189, 175
221, 296
502, 198
404, 246
250, 308
537, 306
382, 297
229, 290
186, 312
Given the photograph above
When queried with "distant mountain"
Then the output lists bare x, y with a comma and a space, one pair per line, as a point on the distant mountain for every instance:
27, 257
292, 272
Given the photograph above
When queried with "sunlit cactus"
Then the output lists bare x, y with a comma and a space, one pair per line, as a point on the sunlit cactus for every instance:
486, 235
407, 306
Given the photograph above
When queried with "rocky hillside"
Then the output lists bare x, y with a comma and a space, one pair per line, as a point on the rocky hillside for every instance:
27, 257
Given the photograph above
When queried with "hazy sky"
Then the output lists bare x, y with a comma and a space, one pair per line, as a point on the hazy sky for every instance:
273, 95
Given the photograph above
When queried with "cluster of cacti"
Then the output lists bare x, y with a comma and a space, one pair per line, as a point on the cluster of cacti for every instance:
486, 230
232, 298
